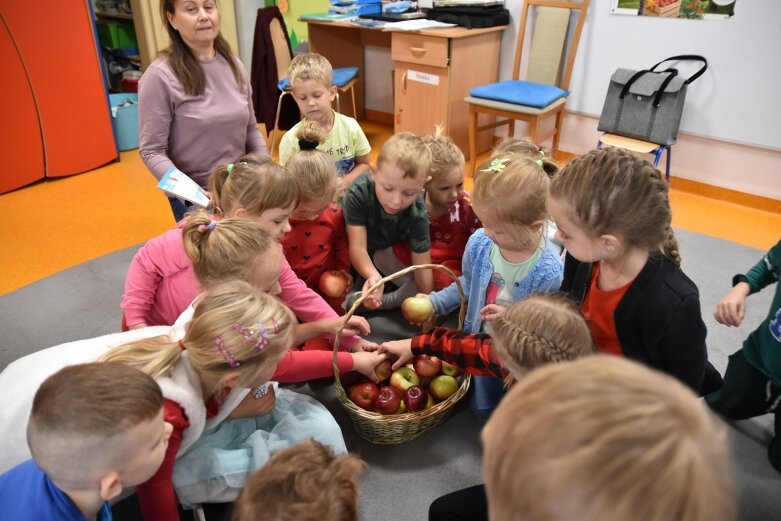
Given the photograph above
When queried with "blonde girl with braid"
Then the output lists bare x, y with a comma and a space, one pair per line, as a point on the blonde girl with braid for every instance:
622, 265
205, 367
541, 329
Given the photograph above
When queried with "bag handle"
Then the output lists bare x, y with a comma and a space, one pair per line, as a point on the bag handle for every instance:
636, 76
692, 57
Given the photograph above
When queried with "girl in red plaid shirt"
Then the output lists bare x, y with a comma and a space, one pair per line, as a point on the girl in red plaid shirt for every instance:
542, 328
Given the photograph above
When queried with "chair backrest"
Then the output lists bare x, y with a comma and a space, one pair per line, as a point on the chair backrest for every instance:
282, 51
549, 42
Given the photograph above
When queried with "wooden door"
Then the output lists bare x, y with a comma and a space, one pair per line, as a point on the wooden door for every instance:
421, 98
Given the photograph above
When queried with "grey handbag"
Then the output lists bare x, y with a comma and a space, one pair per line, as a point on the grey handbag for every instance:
647, 104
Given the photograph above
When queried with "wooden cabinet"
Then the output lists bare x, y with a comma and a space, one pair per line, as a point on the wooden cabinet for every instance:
434, 71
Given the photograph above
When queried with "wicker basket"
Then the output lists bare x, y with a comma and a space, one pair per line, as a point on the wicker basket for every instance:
398, 428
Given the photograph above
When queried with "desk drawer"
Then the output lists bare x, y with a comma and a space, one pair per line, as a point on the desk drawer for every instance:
416, 48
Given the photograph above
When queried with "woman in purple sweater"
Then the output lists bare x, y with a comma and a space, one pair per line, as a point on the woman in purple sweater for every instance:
195, 100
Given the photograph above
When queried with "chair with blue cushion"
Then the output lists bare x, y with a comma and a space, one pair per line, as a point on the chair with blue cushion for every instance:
542, 94
344, 79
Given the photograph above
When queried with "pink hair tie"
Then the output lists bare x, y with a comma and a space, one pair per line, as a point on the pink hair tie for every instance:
181, 345
204, 227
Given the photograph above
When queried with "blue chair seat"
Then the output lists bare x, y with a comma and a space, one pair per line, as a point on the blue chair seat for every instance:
519, 92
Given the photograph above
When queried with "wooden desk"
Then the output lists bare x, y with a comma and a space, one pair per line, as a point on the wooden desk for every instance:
433, 71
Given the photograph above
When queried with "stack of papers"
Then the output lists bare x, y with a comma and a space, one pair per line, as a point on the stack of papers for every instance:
416, 25
329, 17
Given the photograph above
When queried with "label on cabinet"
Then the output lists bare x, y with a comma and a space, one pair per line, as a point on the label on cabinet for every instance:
422, 77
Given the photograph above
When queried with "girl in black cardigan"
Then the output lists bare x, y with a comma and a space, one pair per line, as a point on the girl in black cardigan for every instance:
623, 267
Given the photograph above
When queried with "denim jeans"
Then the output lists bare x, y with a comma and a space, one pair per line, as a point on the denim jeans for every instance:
179, 208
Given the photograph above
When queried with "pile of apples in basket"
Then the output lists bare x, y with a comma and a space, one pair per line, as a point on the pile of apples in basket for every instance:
410, 388
414, 387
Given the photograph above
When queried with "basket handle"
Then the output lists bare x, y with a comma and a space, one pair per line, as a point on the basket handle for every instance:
400, 273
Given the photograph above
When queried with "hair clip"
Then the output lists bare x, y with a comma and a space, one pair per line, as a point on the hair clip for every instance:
276, 325
232, 361
497, 165
307, 144
202, 228
259, 339
539, 163
229, 168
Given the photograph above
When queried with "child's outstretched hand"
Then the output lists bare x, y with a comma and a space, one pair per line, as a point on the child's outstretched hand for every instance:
491, 312
355, 326
400, 348
365, 345
374, 300
365, 361
732, 307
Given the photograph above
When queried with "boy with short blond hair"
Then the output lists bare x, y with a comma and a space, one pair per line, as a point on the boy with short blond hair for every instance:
311, 80
603, 438
94, 429
306, 482
386, 206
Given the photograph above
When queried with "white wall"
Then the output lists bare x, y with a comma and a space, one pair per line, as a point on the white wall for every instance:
730, 132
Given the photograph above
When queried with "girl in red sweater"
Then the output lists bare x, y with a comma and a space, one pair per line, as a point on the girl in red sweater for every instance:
317, 240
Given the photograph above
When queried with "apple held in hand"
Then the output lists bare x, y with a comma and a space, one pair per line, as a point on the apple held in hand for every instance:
442, 387
384, 369
334, 284
415, 398
450, 369
403, 378
417, 310
388, 400
364, 395
427, 366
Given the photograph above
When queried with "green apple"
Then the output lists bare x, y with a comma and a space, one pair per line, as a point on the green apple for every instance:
442, 387
450, 369
403, 378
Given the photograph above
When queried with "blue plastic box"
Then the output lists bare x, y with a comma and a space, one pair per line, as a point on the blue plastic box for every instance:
124, 118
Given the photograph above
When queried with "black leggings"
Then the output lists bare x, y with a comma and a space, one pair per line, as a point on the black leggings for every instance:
467, 504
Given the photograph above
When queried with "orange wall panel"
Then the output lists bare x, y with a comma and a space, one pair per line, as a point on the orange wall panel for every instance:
57, 44
21, 147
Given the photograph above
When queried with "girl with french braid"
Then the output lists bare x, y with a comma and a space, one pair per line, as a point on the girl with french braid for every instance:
543, 328
622, 266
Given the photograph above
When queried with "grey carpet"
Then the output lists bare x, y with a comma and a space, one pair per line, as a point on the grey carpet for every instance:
401, 480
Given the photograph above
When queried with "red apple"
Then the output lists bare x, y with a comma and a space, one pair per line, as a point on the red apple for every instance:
334, 284
450, 369
415, 398
403, 378
417, 309
442, 387
427, 366
364, 395
388, 400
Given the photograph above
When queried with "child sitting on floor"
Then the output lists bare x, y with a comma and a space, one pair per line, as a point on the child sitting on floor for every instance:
623, 266
317, 241
451, 218
160, 284
603, 438
384, 207
752, 383
311, 79
94, 430
303, 483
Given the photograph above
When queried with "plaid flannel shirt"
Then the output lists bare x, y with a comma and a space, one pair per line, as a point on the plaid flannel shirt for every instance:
471, 352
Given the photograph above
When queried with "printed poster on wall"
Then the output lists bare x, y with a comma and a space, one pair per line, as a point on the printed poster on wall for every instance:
687, 9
